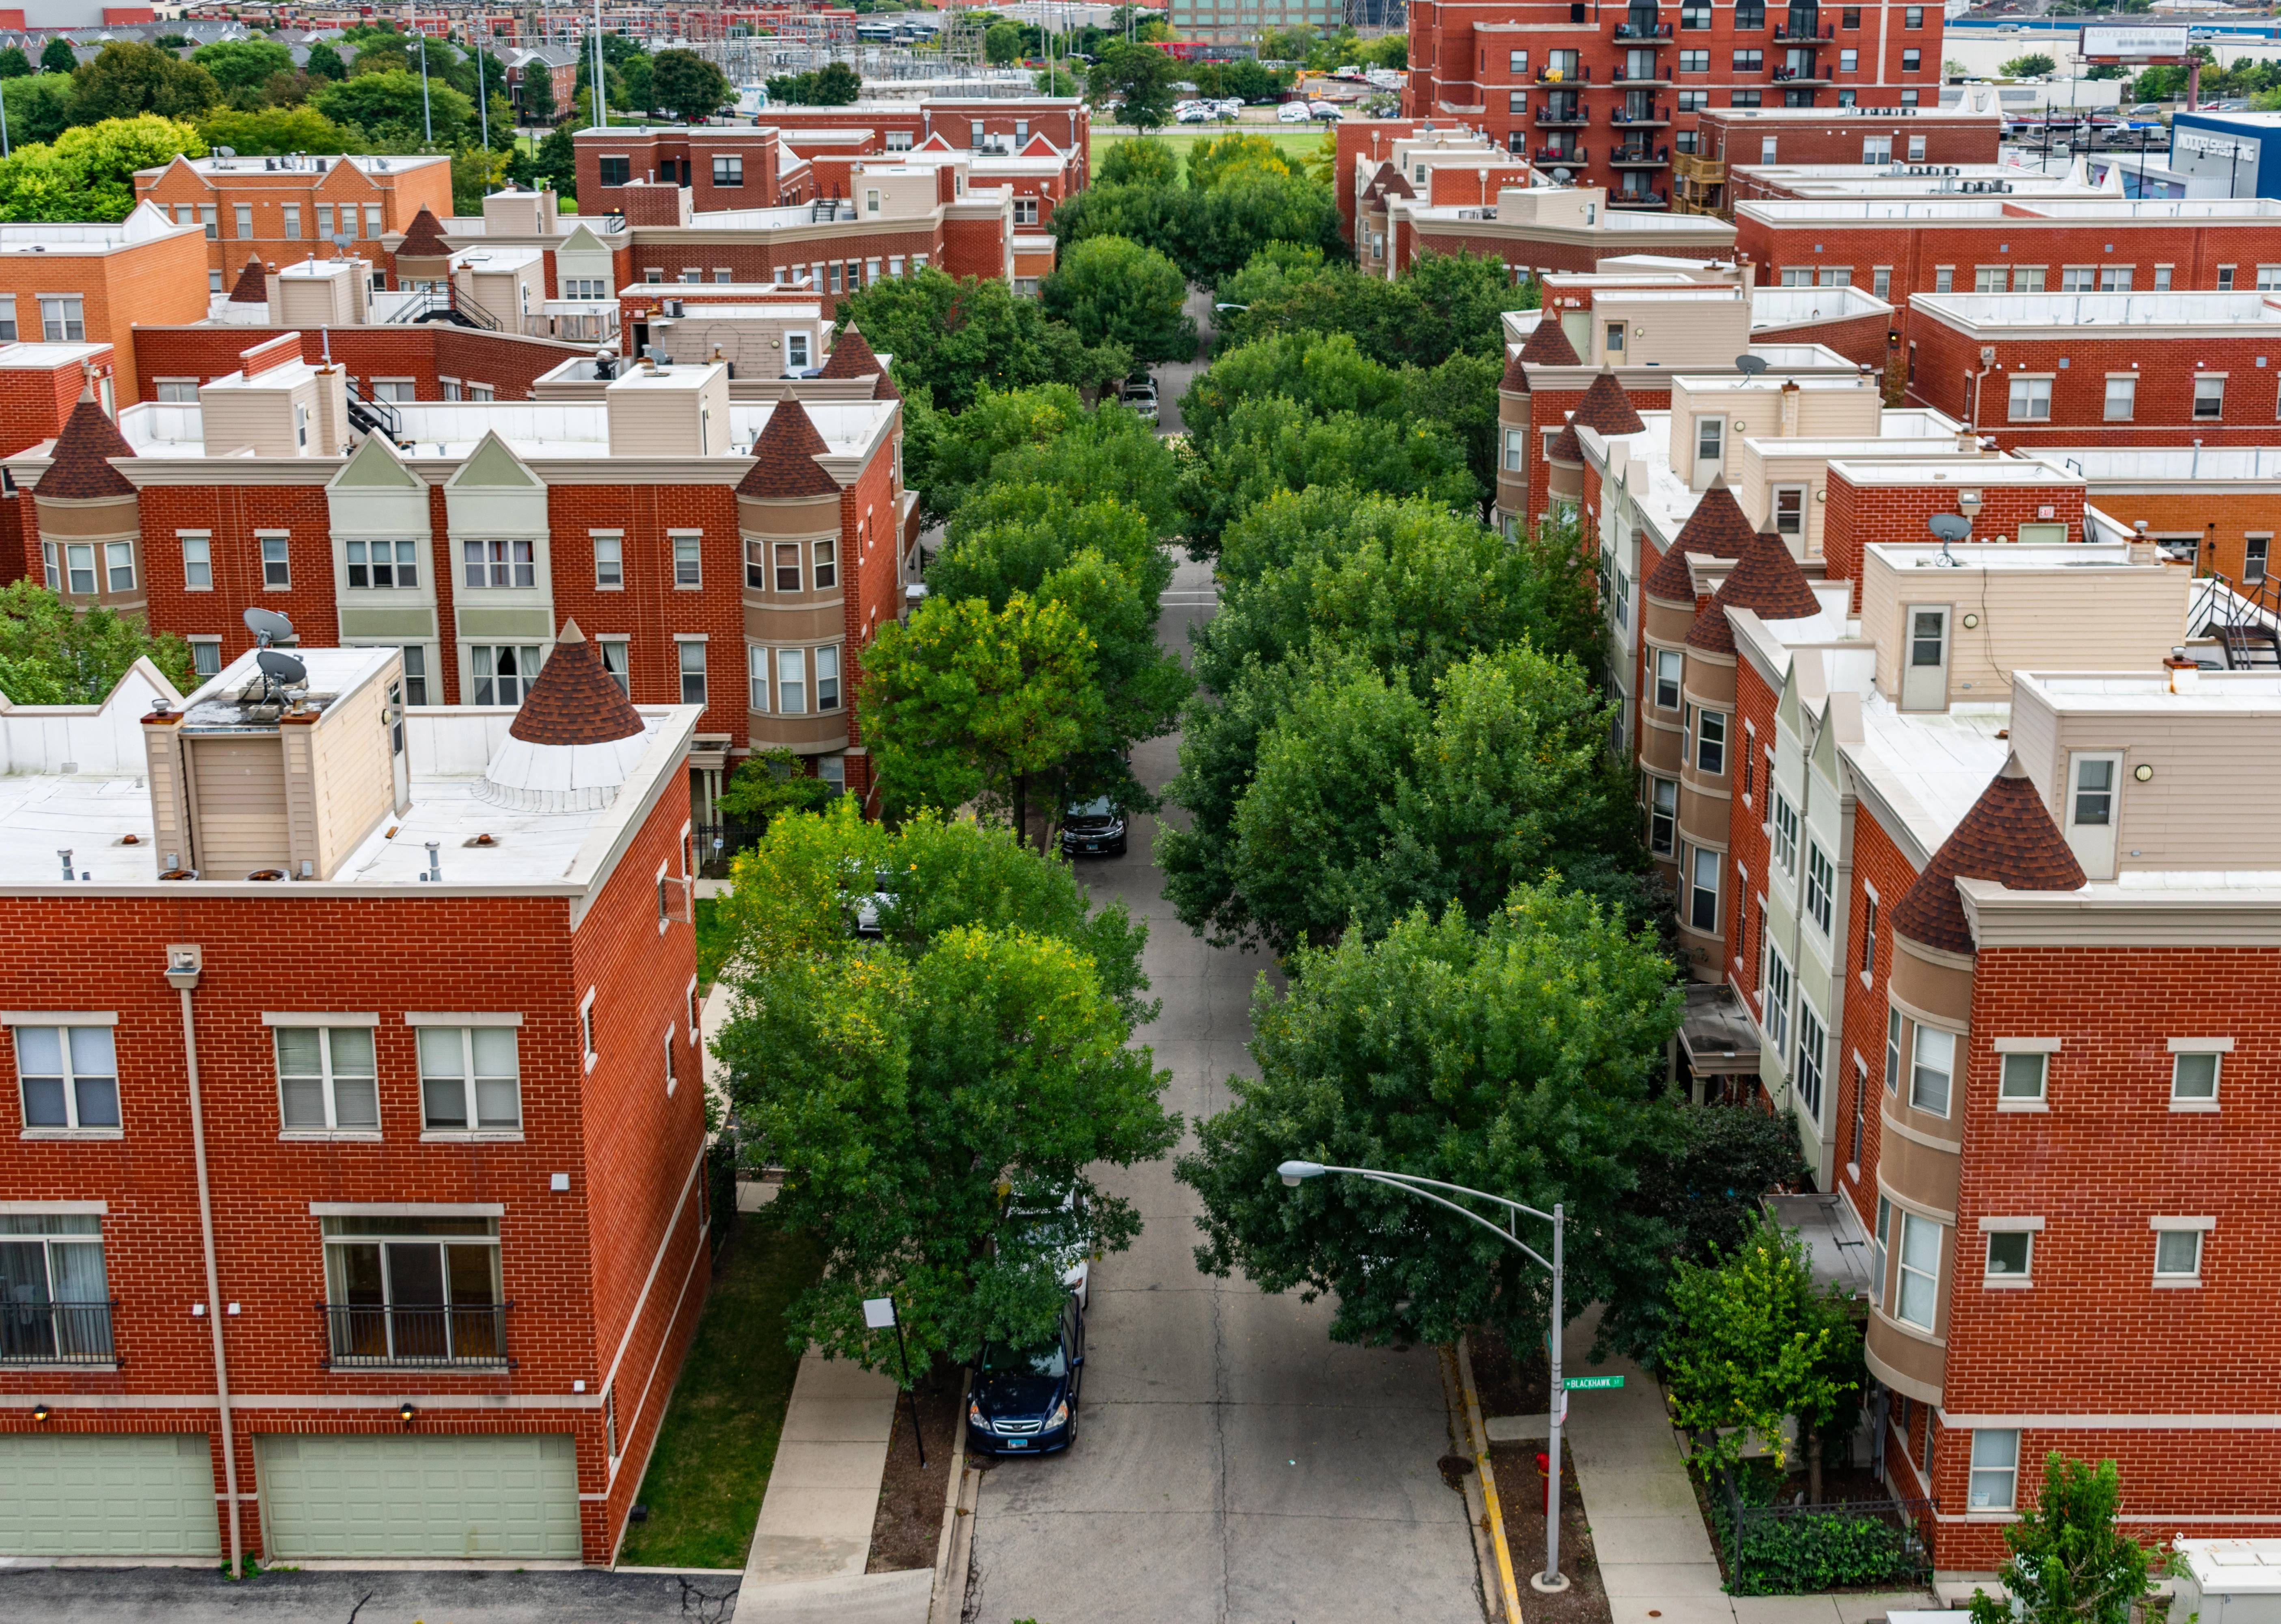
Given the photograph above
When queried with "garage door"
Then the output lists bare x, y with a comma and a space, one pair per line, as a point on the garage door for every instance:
108, 1494
512, 1494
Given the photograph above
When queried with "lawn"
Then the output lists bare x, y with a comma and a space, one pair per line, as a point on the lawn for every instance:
712, 939
711, 1466
1295, 142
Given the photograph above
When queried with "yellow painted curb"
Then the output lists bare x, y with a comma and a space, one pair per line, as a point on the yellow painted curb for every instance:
1478, 1437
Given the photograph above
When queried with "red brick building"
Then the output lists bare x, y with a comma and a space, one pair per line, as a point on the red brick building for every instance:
288, 208
404, 1259
94, 283
1729, 137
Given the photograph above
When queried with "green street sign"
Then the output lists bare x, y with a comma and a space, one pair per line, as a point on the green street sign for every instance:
1576, 1383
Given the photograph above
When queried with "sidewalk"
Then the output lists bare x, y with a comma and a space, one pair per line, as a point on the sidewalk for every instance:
1656, 1560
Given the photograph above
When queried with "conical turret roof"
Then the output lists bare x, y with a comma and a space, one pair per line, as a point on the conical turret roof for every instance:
82, 470
574, 741
1547, 345
253, 284
1604, 407
2008, 837
424, 237
1769, 582
1718, 528
784, 457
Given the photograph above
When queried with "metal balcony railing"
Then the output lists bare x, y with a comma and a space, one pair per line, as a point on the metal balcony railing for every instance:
364, 1335
1642, 31
1548, 155
1555, 113
1655, 75
1653, 115
1640, 158
1568, 75
56, 1333
1784, 32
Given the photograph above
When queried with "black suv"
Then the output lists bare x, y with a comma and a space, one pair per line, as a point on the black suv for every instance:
1025, 1400
1093, 829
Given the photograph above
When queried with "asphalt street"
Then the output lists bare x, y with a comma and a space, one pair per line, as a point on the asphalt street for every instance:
1233, 1465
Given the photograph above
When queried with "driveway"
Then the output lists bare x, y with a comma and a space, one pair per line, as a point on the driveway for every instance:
1234, 1466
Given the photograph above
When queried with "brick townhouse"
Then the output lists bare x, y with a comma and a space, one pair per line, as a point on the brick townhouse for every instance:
318, 1247
1616, 94
2213, 508
1731, 138
731, 554
287, 208
94, 283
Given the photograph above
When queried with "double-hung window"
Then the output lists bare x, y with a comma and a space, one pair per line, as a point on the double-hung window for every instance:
394, 564
197, 563
1663, 815
1916, 1298
67, 1076
1892, 1051
1775, 1001
792, 682
787, 566
276, 563
826, 573
470, 1080
691, 655
688, 563
499, 563
63, 318
1702, 892
1821, 882
609, 564
613, 651
503, 671
58, 1295
413, 1289
1995, 1469
1813, 1041
2209, 397
827, 677
2121, 398
728, 170
2032, 400
1935, 1067
1785, 833
1711, 741
327, 1082
1668, 663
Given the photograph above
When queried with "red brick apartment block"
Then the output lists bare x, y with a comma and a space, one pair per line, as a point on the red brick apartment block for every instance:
2213, 508
1615, 95
442, 1235
731, 553
94, 283
287, 208
2138, 369
1894, 502
1733, 138
418, 356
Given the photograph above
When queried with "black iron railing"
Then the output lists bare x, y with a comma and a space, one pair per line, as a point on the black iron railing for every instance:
1788, 1550
56, 1333
359, 1335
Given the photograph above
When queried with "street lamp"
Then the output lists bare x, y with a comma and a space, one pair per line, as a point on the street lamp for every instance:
1551, 1580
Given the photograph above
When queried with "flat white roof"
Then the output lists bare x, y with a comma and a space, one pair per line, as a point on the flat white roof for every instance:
1971, 555
47, 357
1929, 765
2119, 210
1968, 473
2110, 465
2119, 692
2071, 310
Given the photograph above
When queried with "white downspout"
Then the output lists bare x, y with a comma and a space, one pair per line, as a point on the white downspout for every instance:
182, 963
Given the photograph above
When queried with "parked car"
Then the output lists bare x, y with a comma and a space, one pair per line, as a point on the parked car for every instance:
866, 906
1292, 112
1097, 828
1141, 397
2146, 110
1056, 1221
1193, 113
1324, 112
1025, 1400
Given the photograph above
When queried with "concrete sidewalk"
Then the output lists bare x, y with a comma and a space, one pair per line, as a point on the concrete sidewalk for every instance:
824, 1491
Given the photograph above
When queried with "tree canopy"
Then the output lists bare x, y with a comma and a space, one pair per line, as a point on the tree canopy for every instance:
2070, 1563
87, 171
243, 65
51, 655
1111, 290
688, 86
387, 107
1135, 82
955, 335
278, 130
127, 78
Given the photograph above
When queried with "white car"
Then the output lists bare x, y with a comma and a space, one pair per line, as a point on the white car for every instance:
1193, 115
1293, 113
1048, 1214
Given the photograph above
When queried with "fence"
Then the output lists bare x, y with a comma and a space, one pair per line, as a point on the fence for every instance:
1799, 1550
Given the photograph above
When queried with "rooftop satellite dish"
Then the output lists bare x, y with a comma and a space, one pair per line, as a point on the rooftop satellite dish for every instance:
1750, 365
268, 626
1561, 174
225, 151
1950, 527
342, 239
281, 668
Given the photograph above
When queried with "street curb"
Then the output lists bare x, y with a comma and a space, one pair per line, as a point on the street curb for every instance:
1480, 1444
1477, 1517
954, 1551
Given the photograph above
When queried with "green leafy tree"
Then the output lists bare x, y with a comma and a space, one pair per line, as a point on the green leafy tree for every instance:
1755, 1343
39, 108
243, 65
917, 1091
2034, 65
965, 703
1516, 1058
127, 78
391, 54
88, 172
949, 458
1002, 44
1250, 82
837, 85
687, 86
536, 89
1216, 157
558, 162
14, 64
51, 654
388, 109
639, 73
770, 783
954, 335
477, 173
1111, 289
1055, 80
58, 57
278, 130
325, 62
1161, 217
1139, 79
1251, 208
1140, 160
2071, 1564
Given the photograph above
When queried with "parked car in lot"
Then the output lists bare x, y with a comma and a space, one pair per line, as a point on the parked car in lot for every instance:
1324, 112
1025, 1400
1139, 395
2146, 110
1095, 828
1292, 112
1055, 1222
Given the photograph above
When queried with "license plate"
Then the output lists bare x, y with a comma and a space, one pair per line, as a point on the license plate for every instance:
1092, 846
1017, 1443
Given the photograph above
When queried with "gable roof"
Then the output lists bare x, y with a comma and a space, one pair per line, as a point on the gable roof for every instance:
1769, 581
1039, 147
1717, 528
2008, 837
424, 237
1604, 407
494, 462
253, 284
1547, 345
82, 470
785, 457
1387, 183
575, 701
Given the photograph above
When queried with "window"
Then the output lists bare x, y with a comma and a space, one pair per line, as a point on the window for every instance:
672, 1079
613, 651
796, 350
1797, 277
2114, 279
2021, 1078
1026, 213
400, 391
1820, 883
609, 564
2032, 400
1692, 101
383, 563
2193, 1077
1850, 17
1694, 61
688, 563
63, 318
2268, 278
2209, 397
898, 141
1744, 98
292, 214
2122, 399
276, 563
1703, 892
79, 561
1710, 438
325, 222
1992, 279
326, 1080
1615, 339
1849, 61
614, 171
1877, 1254
787, 566
1936, 1063
756, 669
2225, 279
1913, 17
1694, 13
1752, 62
2178, 1249
1944, 278
1892, 1051
585, 288
2253, 557
503, 671
1881, 279
826, 575
413, 1290
835, 276
1912, 60
728, 171
1785, 833
1749, 13
1711, 741
469, 1079
1663, 815
499, 563
1516, 62
1995, 1466
57, 1294
1812, 1042
415, 673
1868, 933
178, 391
1917, 1300
1773, 1002
792, 682
2028, 279
68, 1077
244, 212
692, 672
1668, 662
205, 656
2009, 1253
1516, 444
827, 678
1790, 510
871, 200
371, 219
118, 565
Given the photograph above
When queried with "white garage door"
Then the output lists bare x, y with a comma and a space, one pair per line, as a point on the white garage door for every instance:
500, 1495
108, 1494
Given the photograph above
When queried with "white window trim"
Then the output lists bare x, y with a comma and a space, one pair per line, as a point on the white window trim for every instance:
457, 1018
407, 1208
672, 1072
2196, 1046
665, 914
586, 1028
58, 1018
2173, 1225
302, 1018
2215, 1048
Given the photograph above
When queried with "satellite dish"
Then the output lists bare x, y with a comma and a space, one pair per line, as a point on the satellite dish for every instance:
1750, 365
225, 151
342, 239
281, 668
1561, 175
1949, 526
268, 626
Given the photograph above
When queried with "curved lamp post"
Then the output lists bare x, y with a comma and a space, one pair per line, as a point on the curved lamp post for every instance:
1557, 1399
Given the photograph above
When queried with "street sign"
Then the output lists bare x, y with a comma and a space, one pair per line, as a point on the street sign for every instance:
1574, 1383
878, 1314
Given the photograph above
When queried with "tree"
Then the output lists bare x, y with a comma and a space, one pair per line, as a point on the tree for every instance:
687, 86
953, 334
1002, 44
325, 62
88, 172
58, 57
1160, 217
1137, 79
1111, 289
1444, 305
920, 1090
2033, 64
127, 78
1138, 160
1246, 81
14, 64
1214, 159
278, 130
476, 171
1251, 208
1514, 1058
558, 162
2070, 1563
965, 703
537, 89
1754, 1344
52, 654
387, 107
948, 458
1055, 81
244, 65
39, 108
640, 72
770, 783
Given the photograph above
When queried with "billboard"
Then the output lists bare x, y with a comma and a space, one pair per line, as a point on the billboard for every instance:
2132, 42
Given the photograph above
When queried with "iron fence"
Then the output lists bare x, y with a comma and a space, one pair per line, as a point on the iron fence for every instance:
431, 1335
1799, 1548
56, 1334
